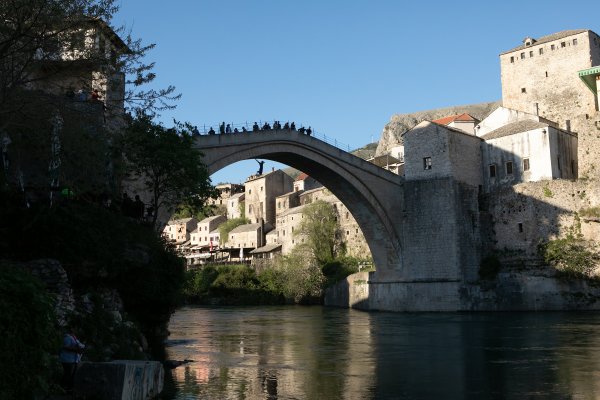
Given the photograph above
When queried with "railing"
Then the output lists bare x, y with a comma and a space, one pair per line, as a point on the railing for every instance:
246, 128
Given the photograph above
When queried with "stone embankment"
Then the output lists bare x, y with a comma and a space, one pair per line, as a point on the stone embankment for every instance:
119, 380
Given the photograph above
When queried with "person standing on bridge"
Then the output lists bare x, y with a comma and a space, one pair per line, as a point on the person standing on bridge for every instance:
211, 131
222, 128
309, 131
255, 127
228, 129
293, 126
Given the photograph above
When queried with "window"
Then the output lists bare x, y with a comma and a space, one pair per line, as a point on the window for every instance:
574, 42
563, 44
278, 204
427, 163
546, 74
526, 164
250, 209
530, 53
493, 171
523, 90
552, 47
520, 227
512, 59
509, 168
522, 56
541, 51
261, 188
249, 191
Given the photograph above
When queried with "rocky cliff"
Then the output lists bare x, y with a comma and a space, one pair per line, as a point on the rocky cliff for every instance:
400, 123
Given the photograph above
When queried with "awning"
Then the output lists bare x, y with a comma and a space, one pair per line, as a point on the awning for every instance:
201, 255
588, 76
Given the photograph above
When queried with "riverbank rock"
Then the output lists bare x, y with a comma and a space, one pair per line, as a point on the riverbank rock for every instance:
54, 277
119, 380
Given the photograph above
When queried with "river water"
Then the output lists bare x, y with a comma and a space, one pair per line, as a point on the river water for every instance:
295, 352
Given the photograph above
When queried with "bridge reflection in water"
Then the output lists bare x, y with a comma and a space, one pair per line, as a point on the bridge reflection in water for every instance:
324, 353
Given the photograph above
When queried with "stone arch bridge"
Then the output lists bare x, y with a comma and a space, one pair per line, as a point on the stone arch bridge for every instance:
418, 263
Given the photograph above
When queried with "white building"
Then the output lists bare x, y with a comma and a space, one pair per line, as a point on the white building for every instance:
526, 151
207, 231
235, 205
179, 230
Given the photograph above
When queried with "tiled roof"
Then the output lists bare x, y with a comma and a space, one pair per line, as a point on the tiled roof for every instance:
266, 249
458, 117
302, 177
209, 219
180, 221
515, 127
293, 210
245, 228
548, 38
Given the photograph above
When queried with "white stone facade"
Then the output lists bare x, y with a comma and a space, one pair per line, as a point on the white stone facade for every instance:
260, 194
527, 151
206, 234
179, 230
245, 236
235, 205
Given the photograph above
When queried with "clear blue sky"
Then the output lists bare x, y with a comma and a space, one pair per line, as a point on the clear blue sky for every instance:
342, 66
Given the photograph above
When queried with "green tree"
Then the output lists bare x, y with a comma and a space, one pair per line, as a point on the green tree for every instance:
319, 225
33, 32
165, 159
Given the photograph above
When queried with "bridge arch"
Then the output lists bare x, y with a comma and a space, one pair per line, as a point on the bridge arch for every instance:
373, 195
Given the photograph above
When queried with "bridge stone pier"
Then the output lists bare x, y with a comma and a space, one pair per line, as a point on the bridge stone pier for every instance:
415, 230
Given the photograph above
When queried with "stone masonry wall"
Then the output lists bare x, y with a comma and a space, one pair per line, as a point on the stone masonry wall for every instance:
433, 223
530, 213
550, 79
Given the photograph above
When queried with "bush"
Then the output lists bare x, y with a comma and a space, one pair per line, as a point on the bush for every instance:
489, 267
572, 257
30, 339
339, 269
230, 284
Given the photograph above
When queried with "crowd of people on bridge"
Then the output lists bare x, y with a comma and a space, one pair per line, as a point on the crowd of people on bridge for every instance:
227, 129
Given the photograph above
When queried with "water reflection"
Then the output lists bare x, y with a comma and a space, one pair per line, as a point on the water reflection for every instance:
321, 353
